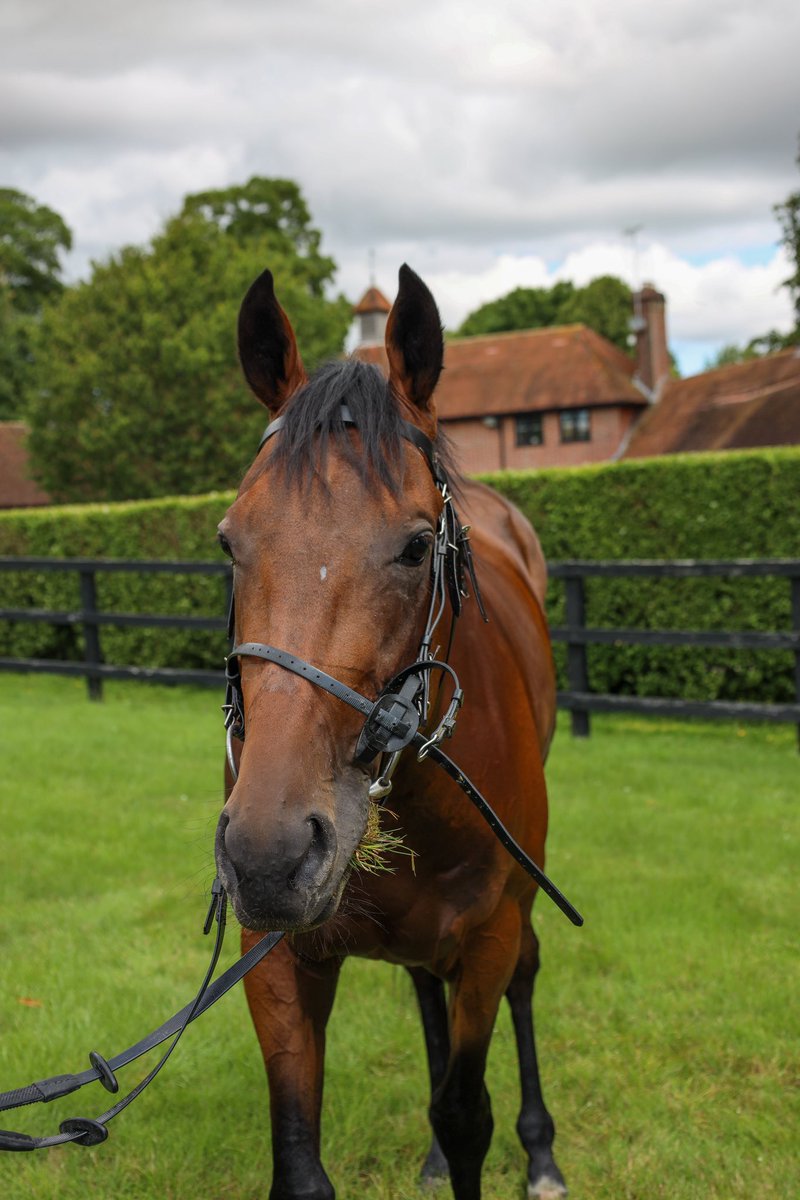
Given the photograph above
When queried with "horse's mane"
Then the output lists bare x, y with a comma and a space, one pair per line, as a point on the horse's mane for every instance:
313, 420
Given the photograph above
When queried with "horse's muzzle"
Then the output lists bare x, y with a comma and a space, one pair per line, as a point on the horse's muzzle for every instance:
290, 884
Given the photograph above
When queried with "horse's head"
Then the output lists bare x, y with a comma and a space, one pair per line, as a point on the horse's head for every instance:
331, 535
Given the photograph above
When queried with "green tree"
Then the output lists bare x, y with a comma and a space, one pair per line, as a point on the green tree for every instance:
139, 391
605, 305
523, 308
788, 214
32, 238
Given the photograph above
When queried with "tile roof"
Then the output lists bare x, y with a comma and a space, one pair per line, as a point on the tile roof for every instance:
373, 300
754, 403
559, 367
17, 489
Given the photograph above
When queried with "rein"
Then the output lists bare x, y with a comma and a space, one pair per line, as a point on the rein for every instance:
87, 1131
392, 724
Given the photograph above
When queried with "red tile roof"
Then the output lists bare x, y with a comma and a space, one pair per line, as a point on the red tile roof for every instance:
17, 489
373, 300
754, 403
559, 367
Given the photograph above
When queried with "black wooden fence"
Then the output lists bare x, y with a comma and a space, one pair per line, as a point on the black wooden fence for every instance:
92, 619
579, 699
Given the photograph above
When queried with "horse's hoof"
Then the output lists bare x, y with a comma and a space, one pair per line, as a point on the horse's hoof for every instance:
435, 1170
547, 1187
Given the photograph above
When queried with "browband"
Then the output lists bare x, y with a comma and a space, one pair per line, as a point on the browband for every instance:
410, 432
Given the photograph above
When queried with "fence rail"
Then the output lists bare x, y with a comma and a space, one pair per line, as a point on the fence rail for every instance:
578, 699
581, 701
92, 619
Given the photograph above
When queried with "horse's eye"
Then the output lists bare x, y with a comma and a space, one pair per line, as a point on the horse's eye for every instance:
225, 544
416, 551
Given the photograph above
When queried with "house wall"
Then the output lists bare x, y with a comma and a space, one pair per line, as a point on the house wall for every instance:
480, 448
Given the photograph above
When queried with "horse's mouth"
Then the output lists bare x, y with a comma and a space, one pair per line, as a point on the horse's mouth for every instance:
311, 916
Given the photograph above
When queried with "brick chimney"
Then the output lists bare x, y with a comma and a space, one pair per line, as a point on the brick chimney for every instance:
649, 325
372, 312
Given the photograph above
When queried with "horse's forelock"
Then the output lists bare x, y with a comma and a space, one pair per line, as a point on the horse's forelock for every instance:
313, 419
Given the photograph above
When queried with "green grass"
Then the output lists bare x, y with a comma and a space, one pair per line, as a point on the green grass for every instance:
667, 1025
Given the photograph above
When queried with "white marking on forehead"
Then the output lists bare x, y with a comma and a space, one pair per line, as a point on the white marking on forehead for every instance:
323, 573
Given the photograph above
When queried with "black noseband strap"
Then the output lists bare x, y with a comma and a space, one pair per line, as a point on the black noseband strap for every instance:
377, 728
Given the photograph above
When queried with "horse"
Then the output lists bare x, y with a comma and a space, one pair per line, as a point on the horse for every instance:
332, 535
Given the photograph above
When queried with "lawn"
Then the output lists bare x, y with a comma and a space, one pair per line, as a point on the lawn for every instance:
668, 1025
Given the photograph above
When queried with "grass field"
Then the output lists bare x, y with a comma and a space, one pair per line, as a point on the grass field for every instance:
667, 1025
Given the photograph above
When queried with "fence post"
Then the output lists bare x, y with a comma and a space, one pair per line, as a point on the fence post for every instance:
577, 663
91, 634
795, 585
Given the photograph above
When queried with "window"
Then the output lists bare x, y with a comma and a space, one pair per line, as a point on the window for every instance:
529, 429
575, 425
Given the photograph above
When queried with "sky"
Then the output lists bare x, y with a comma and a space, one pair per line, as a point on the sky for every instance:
490, 145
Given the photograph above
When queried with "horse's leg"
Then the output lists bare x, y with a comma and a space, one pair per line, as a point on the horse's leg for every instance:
461, 1113
433, 1010
535, 1125
290, 1002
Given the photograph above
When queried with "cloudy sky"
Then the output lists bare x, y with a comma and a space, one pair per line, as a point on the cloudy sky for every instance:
491, 145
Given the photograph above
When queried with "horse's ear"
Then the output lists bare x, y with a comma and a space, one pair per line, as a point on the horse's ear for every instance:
414, 344
267, 347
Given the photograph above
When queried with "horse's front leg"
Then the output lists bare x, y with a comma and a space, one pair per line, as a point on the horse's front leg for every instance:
433, 1010
535, 1125
290, 1001
460, 1112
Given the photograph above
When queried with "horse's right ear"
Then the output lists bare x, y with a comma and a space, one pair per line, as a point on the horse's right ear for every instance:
414, 344
267, 347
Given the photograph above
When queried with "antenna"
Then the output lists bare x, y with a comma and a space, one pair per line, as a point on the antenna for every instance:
371, 261
631, 232
637, 323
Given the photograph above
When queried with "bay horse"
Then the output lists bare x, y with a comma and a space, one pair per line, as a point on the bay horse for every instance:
332, 535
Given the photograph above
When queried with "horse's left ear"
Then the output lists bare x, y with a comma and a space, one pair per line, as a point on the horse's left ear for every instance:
414, 343
267, 347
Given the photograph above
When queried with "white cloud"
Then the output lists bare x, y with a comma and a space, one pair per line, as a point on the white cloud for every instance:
483, 143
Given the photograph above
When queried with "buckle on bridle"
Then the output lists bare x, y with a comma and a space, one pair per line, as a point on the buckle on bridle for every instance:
391, 725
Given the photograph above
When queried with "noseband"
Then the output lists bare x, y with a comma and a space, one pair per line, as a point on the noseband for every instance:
392, 721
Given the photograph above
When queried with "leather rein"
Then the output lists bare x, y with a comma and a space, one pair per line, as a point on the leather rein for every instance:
392, 724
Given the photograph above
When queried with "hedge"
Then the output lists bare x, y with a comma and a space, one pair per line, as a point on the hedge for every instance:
742, 504
181, 527
733, 505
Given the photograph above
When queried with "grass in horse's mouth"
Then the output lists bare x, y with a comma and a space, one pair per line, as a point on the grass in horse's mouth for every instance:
371, 853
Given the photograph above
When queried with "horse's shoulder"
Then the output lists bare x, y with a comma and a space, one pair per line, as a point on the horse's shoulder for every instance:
499, 523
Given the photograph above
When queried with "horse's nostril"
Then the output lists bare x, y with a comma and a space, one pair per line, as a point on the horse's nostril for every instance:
309, 867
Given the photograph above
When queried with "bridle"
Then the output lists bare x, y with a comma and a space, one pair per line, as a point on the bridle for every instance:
392, 721
392, 724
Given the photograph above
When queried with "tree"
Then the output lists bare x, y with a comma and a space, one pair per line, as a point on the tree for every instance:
788, 215
138, 389
32, 238
605, 305
523, 308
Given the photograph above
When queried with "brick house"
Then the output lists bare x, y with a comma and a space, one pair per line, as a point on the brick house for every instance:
560, 396
17, 489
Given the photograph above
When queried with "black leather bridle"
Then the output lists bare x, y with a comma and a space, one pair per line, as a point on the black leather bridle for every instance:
392, 724
392, 721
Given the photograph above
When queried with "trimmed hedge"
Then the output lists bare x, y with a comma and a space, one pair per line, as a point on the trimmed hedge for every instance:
742, 504
171, 528
732, 505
